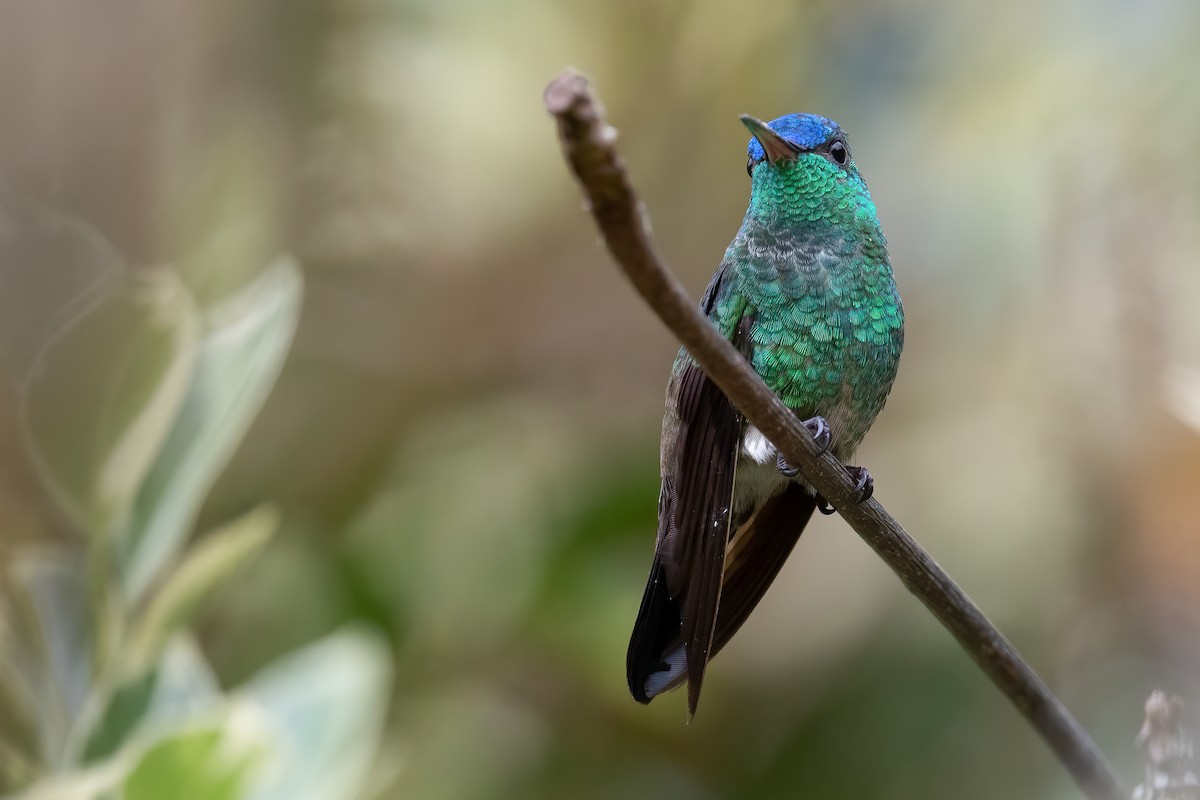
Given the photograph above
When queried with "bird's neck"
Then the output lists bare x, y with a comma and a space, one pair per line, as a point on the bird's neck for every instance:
811, 194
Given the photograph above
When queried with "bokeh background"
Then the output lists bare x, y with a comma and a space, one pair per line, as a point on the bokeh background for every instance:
462, 443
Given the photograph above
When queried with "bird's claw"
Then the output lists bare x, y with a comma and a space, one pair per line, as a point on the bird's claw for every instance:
824, 507
864, 488
864, 484
785, 468
819, 429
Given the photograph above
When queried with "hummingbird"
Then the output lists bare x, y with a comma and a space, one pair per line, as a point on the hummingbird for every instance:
806, 293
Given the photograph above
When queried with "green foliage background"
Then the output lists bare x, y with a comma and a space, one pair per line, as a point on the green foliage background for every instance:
440, 518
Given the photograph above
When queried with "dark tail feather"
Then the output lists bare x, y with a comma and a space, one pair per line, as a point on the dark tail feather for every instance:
757, 554
655, 634
755, 557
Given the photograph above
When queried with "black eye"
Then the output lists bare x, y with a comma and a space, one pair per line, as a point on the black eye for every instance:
750, 162
839, 153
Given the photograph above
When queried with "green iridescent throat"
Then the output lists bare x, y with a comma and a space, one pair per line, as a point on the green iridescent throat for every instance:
812, 189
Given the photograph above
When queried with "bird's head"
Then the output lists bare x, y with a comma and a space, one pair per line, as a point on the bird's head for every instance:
800, 167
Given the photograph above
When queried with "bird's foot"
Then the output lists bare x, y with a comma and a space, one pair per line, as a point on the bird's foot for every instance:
864, 487
785, 468
819, 429
864, 484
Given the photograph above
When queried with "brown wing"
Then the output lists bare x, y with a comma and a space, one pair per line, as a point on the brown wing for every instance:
756, 554
683, 593
708, 461
702, 433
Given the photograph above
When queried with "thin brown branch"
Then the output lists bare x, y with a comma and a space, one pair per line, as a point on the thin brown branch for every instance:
589, 145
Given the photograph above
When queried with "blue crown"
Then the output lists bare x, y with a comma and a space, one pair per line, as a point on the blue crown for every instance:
807, 131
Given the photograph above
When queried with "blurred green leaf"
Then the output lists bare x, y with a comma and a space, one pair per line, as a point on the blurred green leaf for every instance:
125, 709
58, 668
326, 704
101, 398
101, 783
51, 266
180, 685
19, 713
244, 344
140, 730
209, 757
195, 765
208, 563
186, 683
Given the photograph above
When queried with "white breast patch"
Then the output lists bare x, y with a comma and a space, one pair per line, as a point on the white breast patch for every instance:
757, 447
